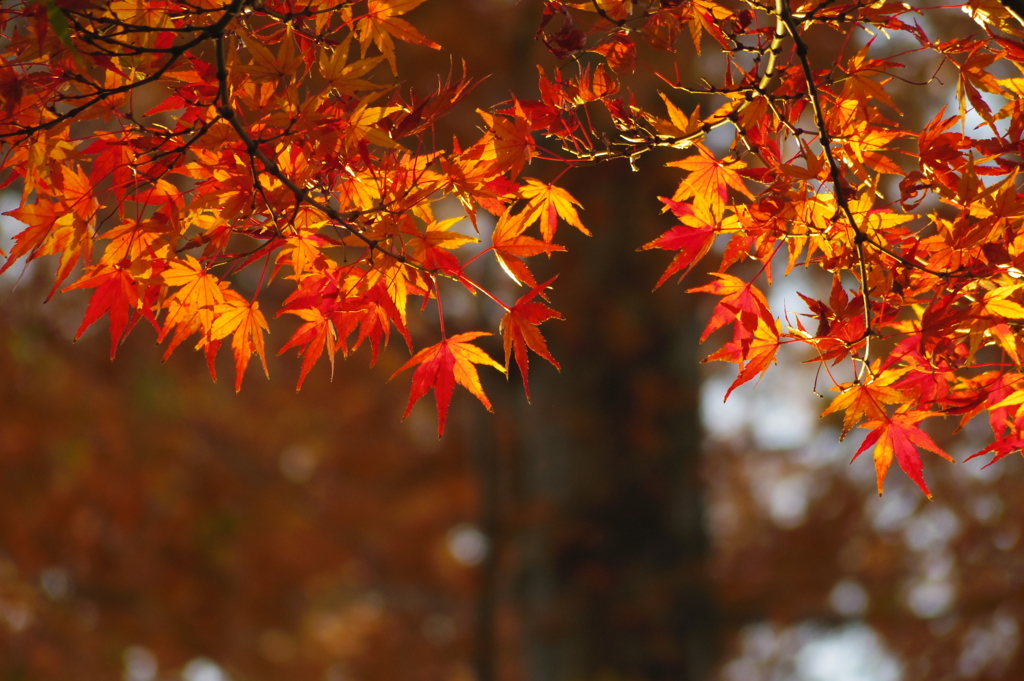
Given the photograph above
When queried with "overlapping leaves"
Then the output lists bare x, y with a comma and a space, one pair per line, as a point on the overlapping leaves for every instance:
286, 148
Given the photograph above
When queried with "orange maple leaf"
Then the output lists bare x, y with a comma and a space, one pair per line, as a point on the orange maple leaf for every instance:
192, 306
382, 23
268, 68
443, 365
50, 233
708, 183
900, 436
620, 52
302, 252
238, 316
508, 144
40, 219
431, 248
678, 123
510, 245
754, 354
519, 326
547, 203
372, 315
77, 193
975, 75
707, 16
865, 401
343, 76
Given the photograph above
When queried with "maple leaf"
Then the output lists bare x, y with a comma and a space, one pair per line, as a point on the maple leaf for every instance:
116, 293
754, 353
335, 293
997, 305
859, 401
860, 85
840, 324
302, 252
40, 219
312, 338
693, 239
510, 245
192, 307
431, 247
345, 77
741, 302
268, 68
382, 23
600, 85
443, 365
940, 149
509, 143
975, 73
900, 437
620, 52
519, 326
372, 315
547, 203
48, 233
708, 183
706, 16
1002, 448
77, 193
678, 125
238, 316
143, 244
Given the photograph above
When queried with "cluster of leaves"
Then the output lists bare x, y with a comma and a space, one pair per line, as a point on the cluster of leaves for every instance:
168, 146
923, 225
273, 142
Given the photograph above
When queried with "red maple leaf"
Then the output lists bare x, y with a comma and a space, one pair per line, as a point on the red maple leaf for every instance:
116, 293
519, 326
900, 436
692, 239
741, 302
443, 365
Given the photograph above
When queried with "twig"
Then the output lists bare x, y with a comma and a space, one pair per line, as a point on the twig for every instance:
214, 30
228, 113
784, 12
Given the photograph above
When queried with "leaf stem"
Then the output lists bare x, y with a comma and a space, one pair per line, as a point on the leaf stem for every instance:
783, 10
228, 113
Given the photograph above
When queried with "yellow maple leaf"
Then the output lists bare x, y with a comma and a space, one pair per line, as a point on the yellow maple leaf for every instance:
266, 67
238, 316
191, 306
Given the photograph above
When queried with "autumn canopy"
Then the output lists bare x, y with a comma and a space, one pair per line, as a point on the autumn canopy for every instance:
178, 157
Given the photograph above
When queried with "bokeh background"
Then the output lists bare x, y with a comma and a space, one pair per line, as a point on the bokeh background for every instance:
626, 526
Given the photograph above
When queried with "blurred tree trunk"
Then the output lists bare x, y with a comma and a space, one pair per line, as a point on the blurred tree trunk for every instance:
591, 496
613, 583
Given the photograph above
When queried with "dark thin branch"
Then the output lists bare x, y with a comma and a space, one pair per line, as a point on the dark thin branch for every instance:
633, 149
860, 237
228, 113
214, 30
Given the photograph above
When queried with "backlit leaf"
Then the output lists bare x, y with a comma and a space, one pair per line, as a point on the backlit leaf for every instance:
441, 366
